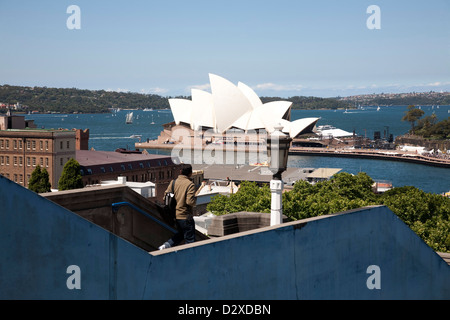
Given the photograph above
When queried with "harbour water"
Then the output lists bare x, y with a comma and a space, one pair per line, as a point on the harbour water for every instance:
110, 131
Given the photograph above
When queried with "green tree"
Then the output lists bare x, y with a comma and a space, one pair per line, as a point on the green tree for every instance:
71, 176
412, 115
343, 192
39, 180
427, 214
250, 198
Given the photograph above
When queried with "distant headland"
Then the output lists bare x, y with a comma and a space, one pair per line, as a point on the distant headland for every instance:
72, 100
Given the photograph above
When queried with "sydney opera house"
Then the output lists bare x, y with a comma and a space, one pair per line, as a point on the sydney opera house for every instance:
230, 110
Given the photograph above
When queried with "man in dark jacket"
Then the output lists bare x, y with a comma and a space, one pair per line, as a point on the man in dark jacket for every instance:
185, 196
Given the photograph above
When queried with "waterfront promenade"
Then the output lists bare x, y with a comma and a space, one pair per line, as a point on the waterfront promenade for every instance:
390, 155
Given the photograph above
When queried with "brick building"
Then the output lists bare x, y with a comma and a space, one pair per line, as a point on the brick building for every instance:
23, 147
22, 150
98, 166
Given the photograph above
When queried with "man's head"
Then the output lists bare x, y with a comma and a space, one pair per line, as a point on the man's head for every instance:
187, 170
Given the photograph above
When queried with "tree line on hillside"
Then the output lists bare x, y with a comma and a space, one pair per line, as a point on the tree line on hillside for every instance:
428, 215
443, 100
69, 100
427, 127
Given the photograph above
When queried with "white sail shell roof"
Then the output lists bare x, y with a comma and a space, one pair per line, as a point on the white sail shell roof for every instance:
181, 110
229, 102
203, 114
230, 106
251, 95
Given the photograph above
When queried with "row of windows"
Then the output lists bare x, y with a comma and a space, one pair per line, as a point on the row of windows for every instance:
17, 144
18, 161
124, 167
18, 178
161, 174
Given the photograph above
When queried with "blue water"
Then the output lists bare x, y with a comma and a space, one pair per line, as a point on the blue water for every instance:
109, 132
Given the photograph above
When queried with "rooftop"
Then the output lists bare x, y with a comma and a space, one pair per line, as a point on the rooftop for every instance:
259, 174
93, 158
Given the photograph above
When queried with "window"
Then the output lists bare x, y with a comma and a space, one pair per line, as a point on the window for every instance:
130, 166
2, 160
141, 165
103, 169
7, 160
6, 144
28, 161
123, 167
34, 161
15, 144
2, 144
46, 145
89, 171
28, 144
61, 145
41, 145
82, 172
61, 160
15, 160
33, 144
20, 144
46, 162
41, 162
20, 161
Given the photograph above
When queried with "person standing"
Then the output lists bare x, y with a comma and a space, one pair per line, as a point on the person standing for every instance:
185, 197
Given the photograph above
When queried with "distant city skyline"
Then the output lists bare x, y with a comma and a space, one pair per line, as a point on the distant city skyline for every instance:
279, 48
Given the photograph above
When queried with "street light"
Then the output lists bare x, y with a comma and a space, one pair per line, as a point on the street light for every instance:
278, 145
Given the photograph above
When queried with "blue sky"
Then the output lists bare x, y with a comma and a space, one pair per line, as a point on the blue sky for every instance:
279, 48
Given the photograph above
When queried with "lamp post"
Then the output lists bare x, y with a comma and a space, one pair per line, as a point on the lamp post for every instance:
278, 145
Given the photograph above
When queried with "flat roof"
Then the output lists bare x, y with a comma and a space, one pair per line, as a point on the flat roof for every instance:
323, 173
253, 173
94, 158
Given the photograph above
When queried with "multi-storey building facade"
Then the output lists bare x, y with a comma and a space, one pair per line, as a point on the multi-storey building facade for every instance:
22, 150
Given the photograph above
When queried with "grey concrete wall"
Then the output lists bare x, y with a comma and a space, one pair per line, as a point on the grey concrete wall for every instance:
322, 258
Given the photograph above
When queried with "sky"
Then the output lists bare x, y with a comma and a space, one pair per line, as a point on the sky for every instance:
284, 48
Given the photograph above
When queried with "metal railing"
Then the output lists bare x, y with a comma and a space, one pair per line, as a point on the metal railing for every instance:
116, 206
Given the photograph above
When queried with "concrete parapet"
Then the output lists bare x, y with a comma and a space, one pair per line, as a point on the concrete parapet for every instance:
368, 253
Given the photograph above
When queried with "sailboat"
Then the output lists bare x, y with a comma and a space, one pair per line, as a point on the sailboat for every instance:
378, 109
129, 119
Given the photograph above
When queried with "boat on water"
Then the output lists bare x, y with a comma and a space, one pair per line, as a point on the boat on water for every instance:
129, 118
148, 109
